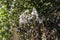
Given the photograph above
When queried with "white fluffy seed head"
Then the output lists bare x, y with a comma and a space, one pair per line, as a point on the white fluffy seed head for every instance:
24, 18
34, 12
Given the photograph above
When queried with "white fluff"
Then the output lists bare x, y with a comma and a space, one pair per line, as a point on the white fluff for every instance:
34, 12
24, 18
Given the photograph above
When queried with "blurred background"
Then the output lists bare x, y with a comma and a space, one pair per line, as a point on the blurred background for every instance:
29, 19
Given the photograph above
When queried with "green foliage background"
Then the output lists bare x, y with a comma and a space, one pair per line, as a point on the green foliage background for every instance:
10, 11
